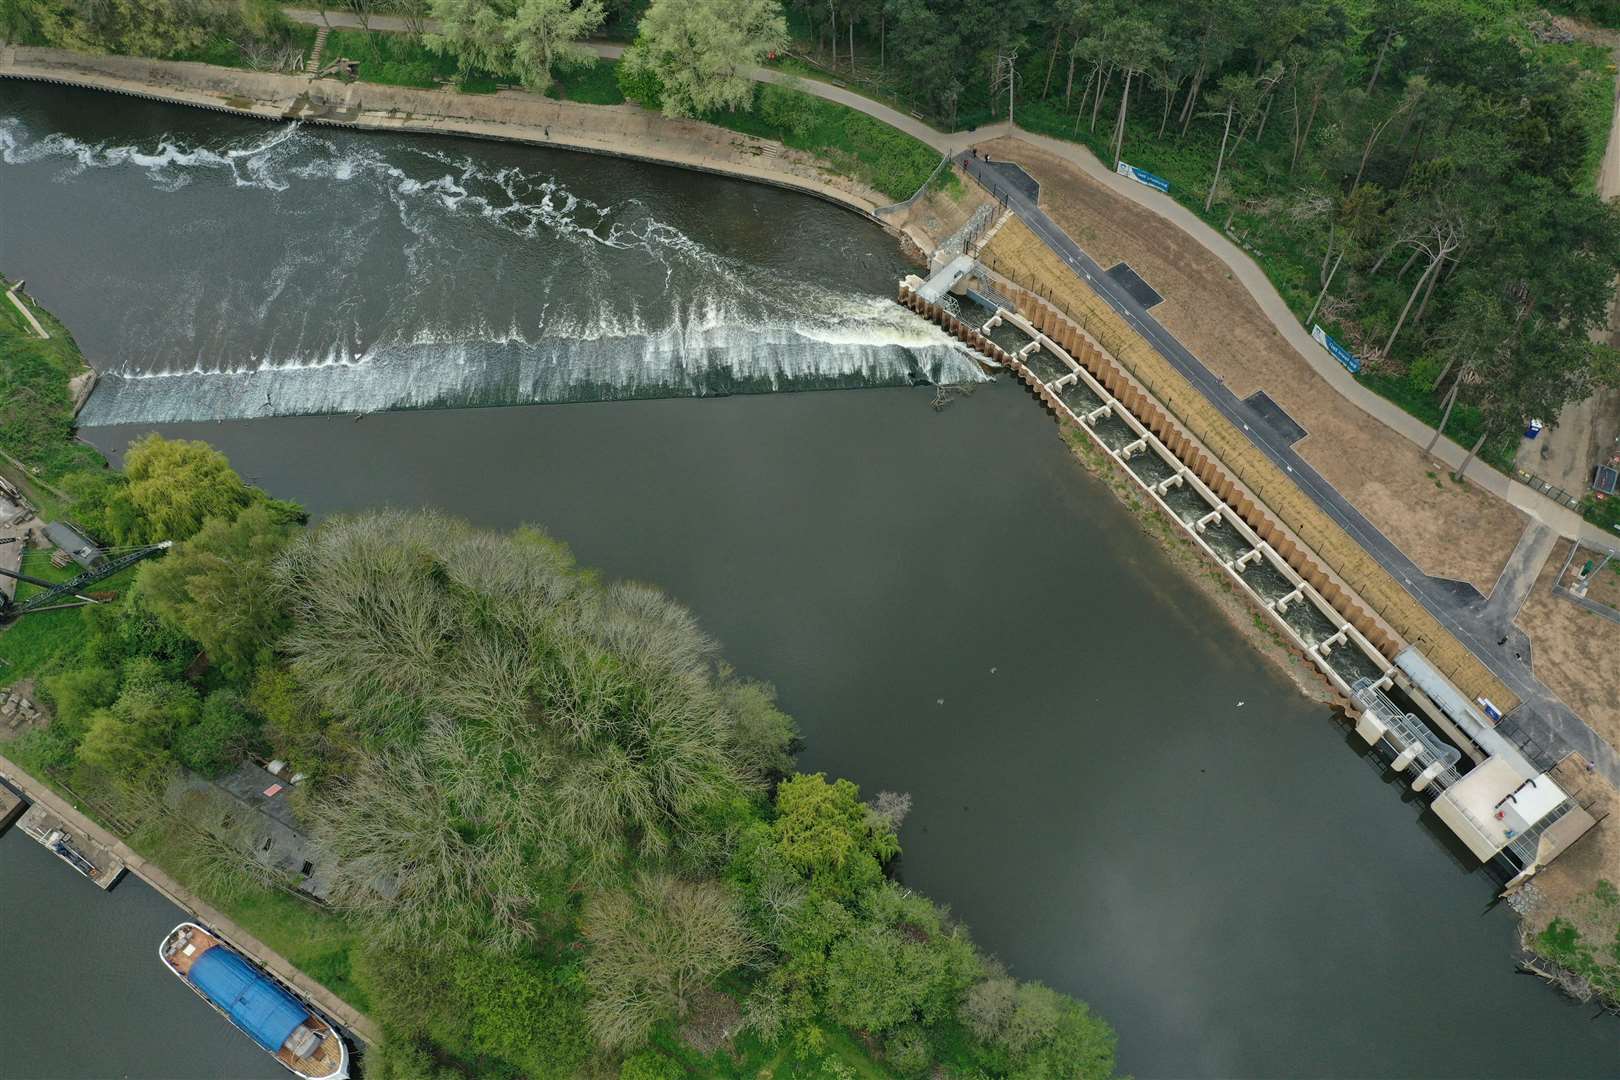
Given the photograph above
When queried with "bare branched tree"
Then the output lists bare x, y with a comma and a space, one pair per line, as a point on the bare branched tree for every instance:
655, 947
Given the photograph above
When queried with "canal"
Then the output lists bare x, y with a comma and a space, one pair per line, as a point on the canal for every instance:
1117, 795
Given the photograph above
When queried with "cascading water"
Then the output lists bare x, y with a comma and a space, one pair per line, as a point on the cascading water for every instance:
243, 272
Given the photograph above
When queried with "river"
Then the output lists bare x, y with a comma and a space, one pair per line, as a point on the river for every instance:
1117, 795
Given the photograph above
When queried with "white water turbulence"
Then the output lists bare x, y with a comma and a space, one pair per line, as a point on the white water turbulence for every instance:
291, 270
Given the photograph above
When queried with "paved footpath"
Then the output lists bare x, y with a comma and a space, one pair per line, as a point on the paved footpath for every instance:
335, 1007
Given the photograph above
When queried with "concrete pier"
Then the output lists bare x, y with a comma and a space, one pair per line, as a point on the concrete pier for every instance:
82, 852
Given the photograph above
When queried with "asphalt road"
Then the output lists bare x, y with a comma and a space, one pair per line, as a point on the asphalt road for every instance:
1541, 717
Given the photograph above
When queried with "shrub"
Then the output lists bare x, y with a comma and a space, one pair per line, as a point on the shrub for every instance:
223, 733
650, 1065
907, 1051
788, 108
522, 1013
639, 82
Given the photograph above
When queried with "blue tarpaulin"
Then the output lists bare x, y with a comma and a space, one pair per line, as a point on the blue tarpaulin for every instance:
258, 1006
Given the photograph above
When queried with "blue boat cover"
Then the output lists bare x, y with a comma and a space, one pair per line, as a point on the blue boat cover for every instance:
249, 996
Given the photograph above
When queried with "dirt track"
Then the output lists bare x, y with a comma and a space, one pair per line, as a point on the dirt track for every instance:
1457, 531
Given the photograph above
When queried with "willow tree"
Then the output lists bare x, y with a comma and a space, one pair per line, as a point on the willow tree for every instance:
547, 34
523, 729
704, 52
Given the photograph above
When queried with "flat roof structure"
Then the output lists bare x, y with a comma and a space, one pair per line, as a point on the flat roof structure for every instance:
1494, 805
75, 543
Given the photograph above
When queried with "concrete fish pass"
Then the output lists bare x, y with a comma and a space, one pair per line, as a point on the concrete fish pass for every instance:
1509, 811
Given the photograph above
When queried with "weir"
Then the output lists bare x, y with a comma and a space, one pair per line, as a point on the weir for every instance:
1325, 623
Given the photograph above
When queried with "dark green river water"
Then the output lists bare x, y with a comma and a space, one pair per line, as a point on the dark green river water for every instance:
1118, 796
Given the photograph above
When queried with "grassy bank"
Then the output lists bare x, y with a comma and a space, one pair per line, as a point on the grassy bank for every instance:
286, 41
849, 142
36, 405
400, 60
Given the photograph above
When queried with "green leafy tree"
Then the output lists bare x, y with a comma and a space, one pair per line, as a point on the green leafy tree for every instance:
902, 964
129, 742
168, 489
223, 732
78, 693
218, 586
475, 32
546, 34
703, 52
825, 832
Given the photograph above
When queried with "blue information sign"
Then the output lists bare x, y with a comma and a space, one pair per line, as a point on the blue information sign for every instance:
1142, 176
1340, 353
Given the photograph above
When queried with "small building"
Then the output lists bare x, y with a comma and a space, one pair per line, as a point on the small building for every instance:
249, 807
79, 547
1505, 809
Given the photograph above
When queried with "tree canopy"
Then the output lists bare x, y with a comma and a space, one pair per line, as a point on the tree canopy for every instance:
702, 52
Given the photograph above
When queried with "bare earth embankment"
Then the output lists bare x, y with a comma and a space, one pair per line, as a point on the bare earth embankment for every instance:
1450, 530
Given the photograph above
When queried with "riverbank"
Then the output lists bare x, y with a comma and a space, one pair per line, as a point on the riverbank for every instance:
1240, 613
626, 131
44, 380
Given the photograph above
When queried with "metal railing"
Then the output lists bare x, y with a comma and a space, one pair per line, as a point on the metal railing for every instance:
1411, 732
1525, 845
1551, 490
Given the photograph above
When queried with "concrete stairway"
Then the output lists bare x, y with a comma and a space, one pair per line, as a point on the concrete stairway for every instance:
313, 64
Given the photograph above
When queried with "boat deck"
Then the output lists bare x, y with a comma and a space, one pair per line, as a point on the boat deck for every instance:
181, 950
326, 1059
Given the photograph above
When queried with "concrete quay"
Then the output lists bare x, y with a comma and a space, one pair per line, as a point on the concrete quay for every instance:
41, 795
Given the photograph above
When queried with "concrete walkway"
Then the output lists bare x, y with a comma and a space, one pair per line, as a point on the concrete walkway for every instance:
177, 894
11, 294
1519, 576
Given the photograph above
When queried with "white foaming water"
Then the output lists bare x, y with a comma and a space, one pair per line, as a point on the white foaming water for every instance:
696, 360
719, 325
167, 163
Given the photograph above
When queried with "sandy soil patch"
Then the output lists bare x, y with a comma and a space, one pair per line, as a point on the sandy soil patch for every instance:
1568, 888
1450, 530
1574, 651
